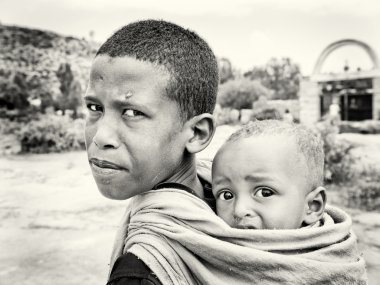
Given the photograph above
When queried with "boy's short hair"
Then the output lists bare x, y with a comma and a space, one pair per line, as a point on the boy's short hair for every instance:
308, 142
188, 58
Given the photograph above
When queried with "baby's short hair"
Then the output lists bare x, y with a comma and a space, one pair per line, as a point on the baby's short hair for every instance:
309, 143
188, 58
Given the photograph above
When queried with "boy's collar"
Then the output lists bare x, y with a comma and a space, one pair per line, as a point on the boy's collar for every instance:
207, 190
175, 185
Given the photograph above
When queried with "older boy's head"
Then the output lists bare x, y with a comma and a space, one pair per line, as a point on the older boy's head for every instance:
189, 60
269, 175
151, 93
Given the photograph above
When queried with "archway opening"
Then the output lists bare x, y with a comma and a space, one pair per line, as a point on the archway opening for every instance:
349, 59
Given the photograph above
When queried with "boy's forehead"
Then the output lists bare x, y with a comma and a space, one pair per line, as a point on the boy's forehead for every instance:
109, 69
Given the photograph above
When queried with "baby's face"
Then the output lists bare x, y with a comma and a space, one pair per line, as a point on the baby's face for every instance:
260, 183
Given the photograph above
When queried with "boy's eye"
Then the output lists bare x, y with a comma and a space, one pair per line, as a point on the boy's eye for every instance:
264, 192
225, 195
94, 107
132, 113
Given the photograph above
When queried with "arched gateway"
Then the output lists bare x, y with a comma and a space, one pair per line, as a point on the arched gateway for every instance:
358, 93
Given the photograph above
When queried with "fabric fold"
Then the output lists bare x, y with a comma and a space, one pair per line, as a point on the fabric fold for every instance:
183, 242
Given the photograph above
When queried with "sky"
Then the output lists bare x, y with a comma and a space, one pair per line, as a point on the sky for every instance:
247, 32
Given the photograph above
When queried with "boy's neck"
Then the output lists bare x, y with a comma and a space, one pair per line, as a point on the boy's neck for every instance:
186, 174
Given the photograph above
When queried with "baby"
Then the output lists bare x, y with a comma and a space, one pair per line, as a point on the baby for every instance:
269, 175
272, 228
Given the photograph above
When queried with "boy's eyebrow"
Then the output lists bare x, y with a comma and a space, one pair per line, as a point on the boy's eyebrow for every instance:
90, 97
122, 100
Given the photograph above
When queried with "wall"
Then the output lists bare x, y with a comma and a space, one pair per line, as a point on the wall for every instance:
309, 102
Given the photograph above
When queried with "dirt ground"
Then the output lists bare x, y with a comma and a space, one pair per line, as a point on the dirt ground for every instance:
56, 228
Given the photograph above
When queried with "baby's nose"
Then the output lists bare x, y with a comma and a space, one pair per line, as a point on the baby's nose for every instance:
243, 209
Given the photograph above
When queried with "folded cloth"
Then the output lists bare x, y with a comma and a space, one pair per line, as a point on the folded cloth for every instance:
182, 241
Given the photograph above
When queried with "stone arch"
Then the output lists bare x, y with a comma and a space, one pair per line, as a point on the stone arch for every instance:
338, 44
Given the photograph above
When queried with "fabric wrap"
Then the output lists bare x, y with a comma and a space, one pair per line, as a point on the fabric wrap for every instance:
182, 241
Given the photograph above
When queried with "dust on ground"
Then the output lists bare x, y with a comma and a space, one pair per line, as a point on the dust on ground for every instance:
56, 228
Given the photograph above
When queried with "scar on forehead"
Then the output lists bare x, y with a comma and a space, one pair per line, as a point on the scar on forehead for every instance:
129, 94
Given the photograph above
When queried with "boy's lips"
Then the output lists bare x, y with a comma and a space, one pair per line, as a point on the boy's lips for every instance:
104, 167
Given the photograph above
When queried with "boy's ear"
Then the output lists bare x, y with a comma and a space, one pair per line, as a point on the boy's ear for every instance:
315, 207
201, 129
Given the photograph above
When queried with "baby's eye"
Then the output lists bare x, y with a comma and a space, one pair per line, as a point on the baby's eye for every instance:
132, 113
225, 195
94, 107
264, 192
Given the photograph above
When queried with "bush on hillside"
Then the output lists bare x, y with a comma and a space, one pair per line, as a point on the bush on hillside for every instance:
240, 93
48, 133
41, 69
52, 133
267, 113
226, 116
364, 195
339, 160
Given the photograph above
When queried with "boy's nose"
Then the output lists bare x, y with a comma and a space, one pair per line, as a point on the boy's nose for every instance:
106, 136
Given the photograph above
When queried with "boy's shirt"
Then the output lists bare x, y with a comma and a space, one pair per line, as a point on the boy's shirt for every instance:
129, 269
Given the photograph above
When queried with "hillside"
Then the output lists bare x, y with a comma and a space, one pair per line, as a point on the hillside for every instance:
30, 61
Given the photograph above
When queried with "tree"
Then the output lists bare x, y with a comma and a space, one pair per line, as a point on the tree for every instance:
70, 88
282, 76
241, 93
225, 70
14, 91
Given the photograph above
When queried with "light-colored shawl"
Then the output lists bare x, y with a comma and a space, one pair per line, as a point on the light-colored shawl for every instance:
182, 241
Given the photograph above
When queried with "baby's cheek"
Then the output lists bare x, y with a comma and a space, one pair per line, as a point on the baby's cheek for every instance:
224, 212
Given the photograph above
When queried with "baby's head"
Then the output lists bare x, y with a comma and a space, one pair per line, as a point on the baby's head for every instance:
269, 175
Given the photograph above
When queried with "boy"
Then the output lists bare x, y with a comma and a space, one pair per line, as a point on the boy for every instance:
264, 168
151, 94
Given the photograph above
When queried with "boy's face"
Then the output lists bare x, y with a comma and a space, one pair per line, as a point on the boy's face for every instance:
260, 183
133, 132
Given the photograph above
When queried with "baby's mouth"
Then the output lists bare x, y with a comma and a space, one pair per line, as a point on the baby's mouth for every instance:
245, 227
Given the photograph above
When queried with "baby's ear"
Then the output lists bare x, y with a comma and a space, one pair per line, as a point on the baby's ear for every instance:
201, 129
315, 207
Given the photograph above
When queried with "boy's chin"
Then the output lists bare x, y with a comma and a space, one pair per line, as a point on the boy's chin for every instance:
115, 193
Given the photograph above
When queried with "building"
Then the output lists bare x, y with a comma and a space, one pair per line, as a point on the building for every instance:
357, 93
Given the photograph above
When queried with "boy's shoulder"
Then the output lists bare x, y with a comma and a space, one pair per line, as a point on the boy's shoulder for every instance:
128, 269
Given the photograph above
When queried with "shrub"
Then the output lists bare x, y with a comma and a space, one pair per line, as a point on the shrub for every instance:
267, 113
9, 143
51, 133
225, 116
240, 93
364, 195
339, 160
9, 127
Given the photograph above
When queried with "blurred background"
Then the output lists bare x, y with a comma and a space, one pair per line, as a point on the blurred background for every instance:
310, 62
